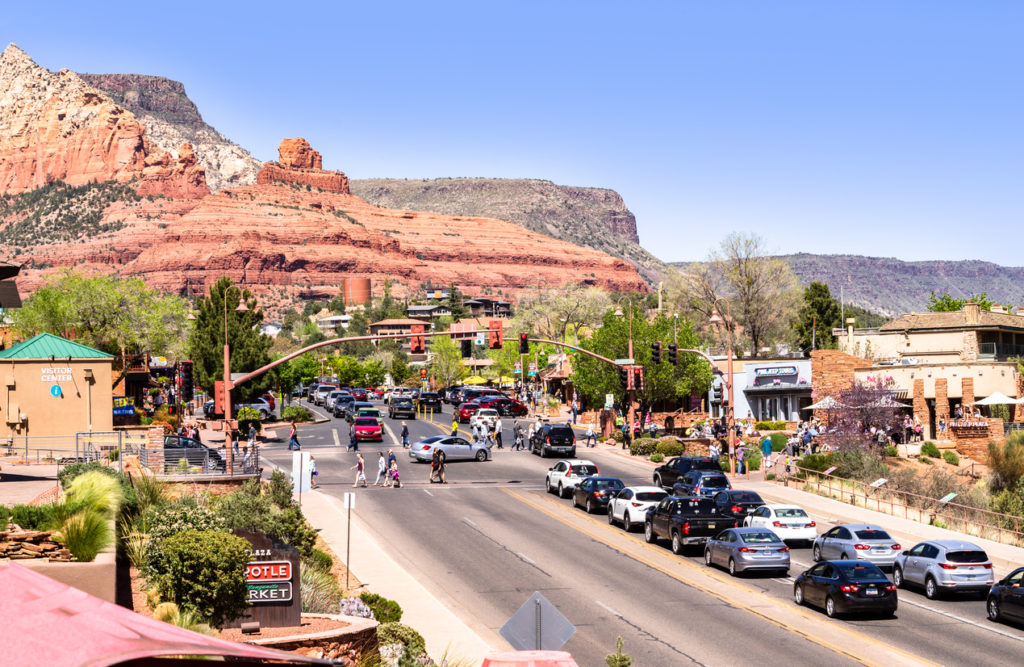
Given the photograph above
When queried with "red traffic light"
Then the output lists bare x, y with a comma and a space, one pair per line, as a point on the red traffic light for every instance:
524, 343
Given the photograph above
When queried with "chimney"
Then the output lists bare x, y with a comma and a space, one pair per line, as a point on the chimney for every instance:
850, 321
972, 312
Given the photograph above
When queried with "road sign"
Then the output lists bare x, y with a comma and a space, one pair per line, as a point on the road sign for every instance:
609, 401
625, 362
537, 626
946, 498
349, 500
519, 367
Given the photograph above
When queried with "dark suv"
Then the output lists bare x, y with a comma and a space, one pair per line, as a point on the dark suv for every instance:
402, 407
431, 401
668, 473
556, 439
701, 484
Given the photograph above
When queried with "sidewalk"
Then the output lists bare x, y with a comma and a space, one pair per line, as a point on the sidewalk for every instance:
20, 484
374, 567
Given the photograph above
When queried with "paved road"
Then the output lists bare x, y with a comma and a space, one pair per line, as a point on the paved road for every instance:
492, 536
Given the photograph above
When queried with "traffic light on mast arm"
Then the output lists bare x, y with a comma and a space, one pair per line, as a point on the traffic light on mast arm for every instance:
467, 349
524, 342
672, 354
187, 386
656, 352
624, 378
494, 336
638, 378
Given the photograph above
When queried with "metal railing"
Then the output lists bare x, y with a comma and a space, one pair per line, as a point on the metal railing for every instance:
1001, 350
1004, 528
200, 461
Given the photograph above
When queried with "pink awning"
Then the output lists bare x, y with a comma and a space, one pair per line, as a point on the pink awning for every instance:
49, 623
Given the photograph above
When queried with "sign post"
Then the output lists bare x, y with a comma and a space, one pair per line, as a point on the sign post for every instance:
537, 626
350, 503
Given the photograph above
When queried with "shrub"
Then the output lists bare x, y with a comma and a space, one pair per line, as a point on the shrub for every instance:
752, 459
890, 450
205, 573
69, 472
618, 659
617, 436
354, 607
384, 610
1010, 501
279, 490
249, 509
97, 490
113, 454
859, 464
642, 446
87, 533
396, 633
817, 462
779, 441
925, 460
320, 561
670, 448
168, 612
770, 476
657, 457
166, 522
770, 426
1007, 462
951, 457
5, 514
168, 429
929, 449
149, 491
295, 413
247, 416
320, 592
31, 517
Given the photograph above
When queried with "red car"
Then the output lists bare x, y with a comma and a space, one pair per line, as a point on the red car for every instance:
269, 398
467, 410
368, 428
358, 394
378, 392
507, 407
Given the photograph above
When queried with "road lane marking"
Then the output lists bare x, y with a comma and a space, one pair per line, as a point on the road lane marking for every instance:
427, 491
904, 600
526, 558
737, 604
391, 434
469, 521
337, 440
608, 609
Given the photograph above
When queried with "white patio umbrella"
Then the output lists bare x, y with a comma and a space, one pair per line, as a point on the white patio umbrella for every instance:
827, 403
999, 398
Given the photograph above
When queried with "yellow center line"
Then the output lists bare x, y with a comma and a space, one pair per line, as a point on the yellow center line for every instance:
731, 582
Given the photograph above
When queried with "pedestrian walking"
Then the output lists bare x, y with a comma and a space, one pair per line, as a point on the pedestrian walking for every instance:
405, 436
396, 480
252, 435
741, 455
517, 436
455, 426
475, 428
714, 453
627, 439
353, 441
312, 472
293, 438
441, 468
591, 436
435, 464
360, 472
497, 433
575, 409
247, 464
652, 428
382, 469
766, 451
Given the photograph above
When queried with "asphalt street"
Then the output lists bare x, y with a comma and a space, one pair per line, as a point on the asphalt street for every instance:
491, 537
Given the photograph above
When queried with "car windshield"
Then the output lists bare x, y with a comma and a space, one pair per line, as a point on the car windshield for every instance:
872, 534
760, 537
368, 421
967, 556
857, 571
486, 413
746, 497
651, 496
714, 482
790, 513
583, 470
607, 484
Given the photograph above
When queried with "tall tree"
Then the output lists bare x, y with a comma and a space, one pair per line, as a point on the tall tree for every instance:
950, 304
248, 346
455, 299
445, 360
558, 313
818, 315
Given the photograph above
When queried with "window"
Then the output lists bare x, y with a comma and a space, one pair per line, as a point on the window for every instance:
760, 537
842, 534
967, 557
875, 534
1016, 578
930, 551
829, 572
625, 494
790, 513
817, 570
917, 551
649, 496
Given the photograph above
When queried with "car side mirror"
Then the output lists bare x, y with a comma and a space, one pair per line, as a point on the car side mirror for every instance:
905, 552
551, 468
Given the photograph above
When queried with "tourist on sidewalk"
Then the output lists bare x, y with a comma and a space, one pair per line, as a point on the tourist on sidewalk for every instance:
497, 433
252, 435
360, 472
395, 479
766, 451
312, 472
591, 436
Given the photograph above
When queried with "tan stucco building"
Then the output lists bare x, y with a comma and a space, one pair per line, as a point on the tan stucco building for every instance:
54, 387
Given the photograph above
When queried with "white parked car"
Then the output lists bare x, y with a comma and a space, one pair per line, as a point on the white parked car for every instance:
484, 417
790, 522
630, 505
563, 477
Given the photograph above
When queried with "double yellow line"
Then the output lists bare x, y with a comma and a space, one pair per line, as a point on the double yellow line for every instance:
735, 602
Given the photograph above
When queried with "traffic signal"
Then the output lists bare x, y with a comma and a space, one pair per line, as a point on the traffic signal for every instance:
624, 377
187, 386
494, 335
524, 343
638, 378
656, 352
716, 393
467, 349
423, 373
416, 343
672, 358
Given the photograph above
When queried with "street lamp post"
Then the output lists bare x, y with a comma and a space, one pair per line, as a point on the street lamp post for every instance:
629, 354
716, 319
229, 462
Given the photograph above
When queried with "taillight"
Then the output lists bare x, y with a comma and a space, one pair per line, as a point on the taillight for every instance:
686, 528
636, 504
784, 549
777, 524
896, 547
947, 566
598, 493
746, 550
735, 524
735, 508
547, 441
426, 448
890, 587
811, 524
987, 566
849, 588
861, 547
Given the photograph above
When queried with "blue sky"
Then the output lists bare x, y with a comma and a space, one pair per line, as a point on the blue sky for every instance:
880, 128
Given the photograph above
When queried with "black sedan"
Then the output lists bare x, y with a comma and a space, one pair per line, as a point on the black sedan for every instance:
1006, 598
430, 401
737, 504
595, 493
844, 586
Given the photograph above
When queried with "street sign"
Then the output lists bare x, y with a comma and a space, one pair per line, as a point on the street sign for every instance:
519, 367
609, 401
625, 362
878, 482
537, 626
946, 498
349, 500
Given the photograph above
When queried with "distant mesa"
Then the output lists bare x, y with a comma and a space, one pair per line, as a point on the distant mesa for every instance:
299, 164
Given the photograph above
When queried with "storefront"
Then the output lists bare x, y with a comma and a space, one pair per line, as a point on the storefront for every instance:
778, 391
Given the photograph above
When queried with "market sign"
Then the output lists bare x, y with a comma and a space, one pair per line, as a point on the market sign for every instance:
774, 371
272, 579
124, 405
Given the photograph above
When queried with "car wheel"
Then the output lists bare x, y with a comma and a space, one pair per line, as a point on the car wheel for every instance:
611, 517
931, 589
732, 567
994, 612
548, 487
677, 544
657, 481
649, 533
817, 553
798, 595
561, 493
897, 577
830, 607
707, 557
627, 523
481, 456
590, 506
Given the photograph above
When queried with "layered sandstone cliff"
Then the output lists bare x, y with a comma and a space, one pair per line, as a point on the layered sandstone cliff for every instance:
298, 164
55, 127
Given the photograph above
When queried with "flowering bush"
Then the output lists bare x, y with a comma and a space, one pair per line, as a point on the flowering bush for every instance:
354, 607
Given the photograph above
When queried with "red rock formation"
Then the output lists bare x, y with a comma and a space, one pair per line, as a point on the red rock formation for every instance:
299, 164
183, 178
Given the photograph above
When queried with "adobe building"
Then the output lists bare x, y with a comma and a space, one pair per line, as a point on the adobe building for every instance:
54, 387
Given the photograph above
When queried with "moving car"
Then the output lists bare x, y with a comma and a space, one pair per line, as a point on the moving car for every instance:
333, 397
737, 503
563, 477
742, 549
593, 493
369, 412
669, 472
402, 407
630, 505
368, 428
322, 392
556, 439
342, 404
944, 565
352, 409
430, 400
454, 448
843, 586
465, 411
685, 521
358, 394
790, 522
484, 417
857, 542
507, 407
701, 483
1006, 598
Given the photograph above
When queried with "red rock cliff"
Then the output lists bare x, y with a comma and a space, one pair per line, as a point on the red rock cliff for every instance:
299, 164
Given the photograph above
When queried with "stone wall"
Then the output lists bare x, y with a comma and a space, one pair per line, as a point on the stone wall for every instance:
967, 391
346, 645
31, 544
971, 436
921, 407
1018, 410
832, 372
941, 399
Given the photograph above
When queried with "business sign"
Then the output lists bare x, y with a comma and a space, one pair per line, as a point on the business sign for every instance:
56, 374
272, 580
124, 405
280, 570
261, 592
519, 367
775, 371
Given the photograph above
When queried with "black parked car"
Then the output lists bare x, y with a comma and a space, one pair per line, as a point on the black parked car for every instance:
556, 439
1006, 598
430, 400
843, 586
666, 474
739, 504
181, 452
593, 493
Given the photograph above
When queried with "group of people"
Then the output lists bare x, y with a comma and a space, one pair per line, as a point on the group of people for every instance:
387, 471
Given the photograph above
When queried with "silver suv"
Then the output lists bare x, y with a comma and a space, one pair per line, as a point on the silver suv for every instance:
944, 565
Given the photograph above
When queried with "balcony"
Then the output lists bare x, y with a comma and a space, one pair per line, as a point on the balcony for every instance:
1000, 351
